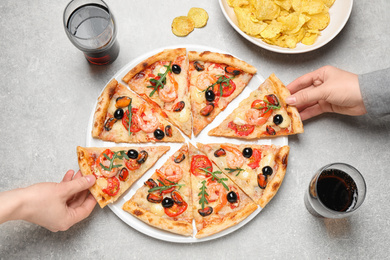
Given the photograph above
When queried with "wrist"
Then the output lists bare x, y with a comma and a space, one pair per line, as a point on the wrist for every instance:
11, 206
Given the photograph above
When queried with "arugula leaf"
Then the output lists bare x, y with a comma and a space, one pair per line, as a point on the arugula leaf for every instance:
117, 155
166, 187
159, 83
220, 80
215, 177
203, 193
130, 115
230, 170
269, 106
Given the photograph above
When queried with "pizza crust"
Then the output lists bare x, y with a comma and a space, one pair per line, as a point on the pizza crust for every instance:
227, 59
165, 55
179, 227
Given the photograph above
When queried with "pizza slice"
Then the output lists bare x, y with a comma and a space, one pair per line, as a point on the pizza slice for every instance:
163, 79
218, 203
215, 80
116, 168
123, 117
263, 114
164, 201
257, 169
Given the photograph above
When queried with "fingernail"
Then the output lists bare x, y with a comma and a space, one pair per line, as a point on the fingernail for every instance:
90, 178
291, 100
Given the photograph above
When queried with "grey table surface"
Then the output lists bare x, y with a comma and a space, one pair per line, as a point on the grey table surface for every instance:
48, 91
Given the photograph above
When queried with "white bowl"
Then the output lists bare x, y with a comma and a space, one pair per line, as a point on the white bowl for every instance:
339, 15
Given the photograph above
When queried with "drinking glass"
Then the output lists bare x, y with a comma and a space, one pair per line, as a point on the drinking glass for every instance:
336, 191
91, 27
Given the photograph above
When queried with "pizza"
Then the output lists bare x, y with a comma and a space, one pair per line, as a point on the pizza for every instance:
257, 169
263, 114
116, 168
164, 201
215, 80
163, 79
123, 117
218, 203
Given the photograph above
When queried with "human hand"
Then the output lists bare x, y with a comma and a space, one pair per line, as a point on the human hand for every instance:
327, 89
58, 206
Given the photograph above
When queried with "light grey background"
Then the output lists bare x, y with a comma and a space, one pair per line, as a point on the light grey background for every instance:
48, 91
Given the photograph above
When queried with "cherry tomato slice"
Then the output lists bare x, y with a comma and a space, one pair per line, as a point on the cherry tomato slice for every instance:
255, 159
132, 164
227, 89
198, 162
134, 128
241, 130
176, 209
113, 186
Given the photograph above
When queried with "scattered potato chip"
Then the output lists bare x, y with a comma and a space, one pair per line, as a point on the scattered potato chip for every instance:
182, 26
199, 16
283, 22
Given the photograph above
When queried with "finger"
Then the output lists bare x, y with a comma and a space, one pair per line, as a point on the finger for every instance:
79, 184
84, 210
78, 199
77, 175
310, 112
313, 78
68, 176
307, 96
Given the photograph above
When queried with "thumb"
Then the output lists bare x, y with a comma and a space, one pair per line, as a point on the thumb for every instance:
79, 184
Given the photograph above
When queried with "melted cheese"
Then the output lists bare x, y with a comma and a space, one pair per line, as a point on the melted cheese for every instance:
286, 119
244, 175
239, 121
157, 209
268, 160
198, 96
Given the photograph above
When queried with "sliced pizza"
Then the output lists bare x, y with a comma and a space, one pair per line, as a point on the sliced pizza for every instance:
163, 80
257, 169
215, 80
218, 203
263, 114
123, 117
116, 168
164, 201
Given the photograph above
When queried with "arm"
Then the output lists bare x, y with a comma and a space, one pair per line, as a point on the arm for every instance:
55, 206
375, 88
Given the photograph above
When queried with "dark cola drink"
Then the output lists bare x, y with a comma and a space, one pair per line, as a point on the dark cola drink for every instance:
337, 190
92, 29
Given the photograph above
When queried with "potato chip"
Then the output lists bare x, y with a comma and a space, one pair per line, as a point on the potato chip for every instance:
199, 16
272, 30
182, 26
285, 4
238, 3
328, 3
318, 21
309, 38
245, 22
265, 9
284, 23
313, 6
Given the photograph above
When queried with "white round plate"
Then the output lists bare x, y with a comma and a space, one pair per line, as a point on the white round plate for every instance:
339, 15
202, 138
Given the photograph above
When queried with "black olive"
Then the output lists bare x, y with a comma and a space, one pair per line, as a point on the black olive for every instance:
232, 197
176, 69
278, 119
167, 202
210, 95
267, 170
247, 152
118, 114
132, 154
159, 134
